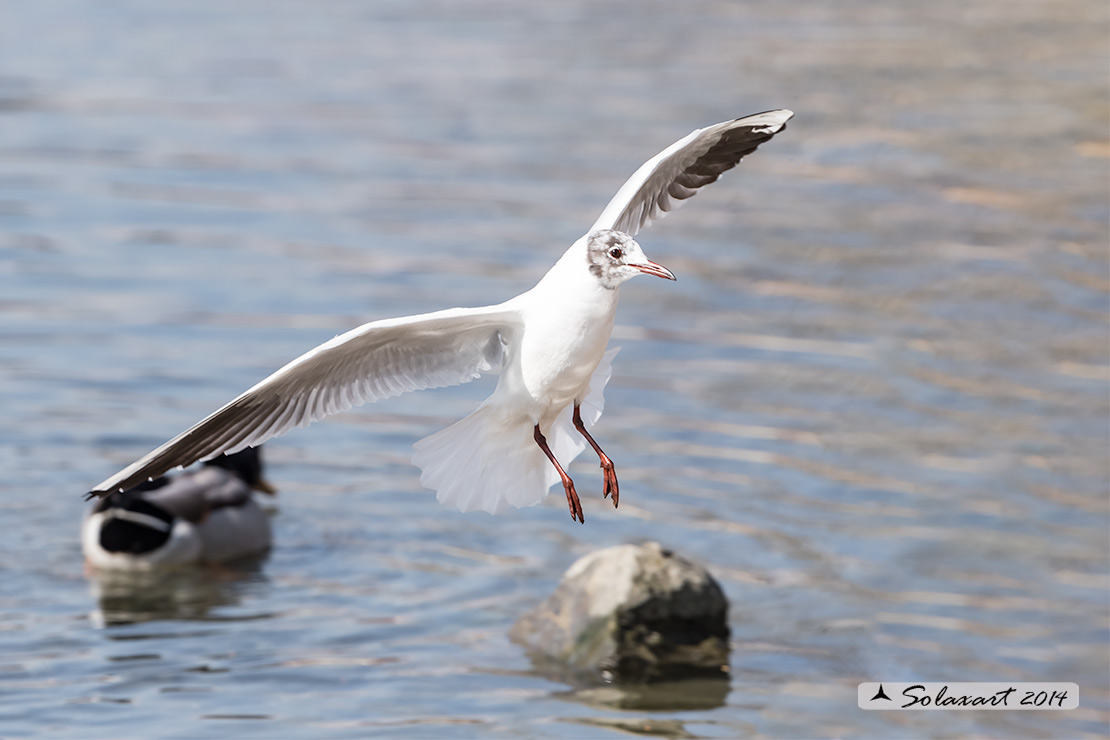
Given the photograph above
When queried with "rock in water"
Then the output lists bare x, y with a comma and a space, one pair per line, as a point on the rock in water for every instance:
632, 613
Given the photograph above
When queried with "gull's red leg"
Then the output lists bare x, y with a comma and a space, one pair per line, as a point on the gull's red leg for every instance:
572, 495
607, 468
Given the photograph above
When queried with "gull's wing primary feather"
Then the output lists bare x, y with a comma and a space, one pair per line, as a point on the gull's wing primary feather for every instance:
666, 180
375, 361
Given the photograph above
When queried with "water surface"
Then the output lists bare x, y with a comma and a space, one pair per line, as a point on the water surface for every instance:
875, 404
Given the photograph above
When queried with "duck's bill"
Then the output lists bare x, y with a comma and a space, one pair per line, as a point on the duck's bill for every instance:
265, 486
656, 269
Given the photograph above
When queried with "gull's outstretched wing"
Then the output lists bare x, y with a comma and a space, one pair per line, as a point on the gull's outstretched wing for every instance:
375, 361
666, 180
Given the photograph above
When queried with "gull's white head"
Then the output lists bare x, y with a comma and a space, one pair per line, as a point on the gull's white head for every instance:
614, 256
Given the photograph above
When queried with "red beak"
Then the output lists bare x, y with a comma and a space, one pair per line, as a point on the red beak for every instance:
656, 269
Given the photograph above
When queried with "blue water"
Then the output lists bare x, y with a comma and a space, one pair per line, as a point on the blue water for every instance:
875, 404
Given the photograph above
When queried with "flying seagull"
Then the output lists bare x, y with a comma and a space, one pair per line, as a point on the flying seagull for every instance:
547, 343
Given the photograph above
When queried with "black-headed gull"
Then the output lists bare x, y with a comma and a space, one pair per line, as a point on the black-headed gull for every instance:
548, 344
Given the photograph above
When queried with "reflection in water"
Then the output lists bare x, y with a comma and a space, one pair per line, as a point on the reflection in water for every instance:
693, 694
188, 593
668, 728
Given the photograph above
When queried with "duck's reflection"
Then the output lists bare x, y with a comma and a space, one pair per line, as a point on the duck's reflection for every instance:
190, 593
694, 694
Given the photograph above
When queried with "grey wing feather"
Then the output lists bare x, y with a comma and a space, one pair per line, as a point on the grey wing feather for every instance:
191, 496
375, 361
665, 181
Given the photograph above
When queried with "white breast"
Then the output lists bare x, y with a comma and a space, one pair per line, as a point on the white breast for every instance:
566, 336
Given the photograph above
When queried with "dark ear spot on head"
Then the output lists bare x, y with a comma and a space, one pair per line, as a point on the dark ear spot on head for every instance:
603, 249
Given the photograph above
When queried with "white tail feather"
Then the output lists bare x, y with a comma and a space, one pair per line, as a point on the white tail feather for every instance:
489, 461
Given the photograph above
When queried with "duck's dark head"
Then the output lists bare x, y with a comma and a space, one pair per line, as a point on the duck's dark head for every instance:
247, 465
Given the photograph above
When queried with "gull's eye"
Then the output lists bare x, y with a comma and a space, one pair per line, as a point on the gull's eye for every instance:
616, 253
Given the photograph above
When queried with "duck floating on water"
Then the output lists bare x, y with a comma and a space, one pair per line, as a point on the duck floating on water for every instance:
208, 515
